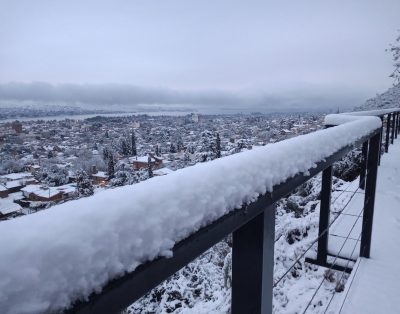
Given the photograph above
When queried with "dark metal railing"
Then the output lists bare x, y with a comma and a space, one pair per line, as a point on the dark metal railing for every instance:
253, 228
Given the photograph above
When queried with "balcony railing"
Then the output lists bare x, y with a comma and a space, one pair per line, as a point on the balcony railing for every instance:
252, 225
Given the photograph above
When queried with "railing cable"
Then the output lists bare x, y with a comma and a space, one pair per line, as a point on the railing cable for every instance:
315, 240
332, 265
344, 270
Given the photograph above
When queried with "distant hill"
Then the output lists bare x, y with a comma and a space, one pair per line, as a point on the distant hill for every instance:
388, 99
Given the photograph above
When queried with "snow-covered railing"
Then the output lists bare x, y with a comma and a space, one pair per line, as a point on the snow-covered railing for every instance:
390, 119
100, 254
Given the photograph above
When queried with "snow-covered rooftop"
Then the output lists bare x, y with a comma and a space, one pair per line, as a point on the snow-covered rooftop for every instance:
162, 171
7, 206
73, 249
17, 176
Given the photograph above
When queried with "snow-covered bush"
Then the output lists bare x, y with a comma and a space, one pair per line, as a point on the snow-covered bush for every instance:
348, 168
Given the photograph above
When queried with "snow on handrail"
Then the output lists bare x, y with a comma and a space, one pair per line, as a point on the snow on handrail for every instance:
50, 259
340, 118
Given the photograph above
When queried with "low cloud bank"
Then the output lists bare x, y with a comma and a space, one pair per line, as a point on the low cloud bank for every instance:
129, 95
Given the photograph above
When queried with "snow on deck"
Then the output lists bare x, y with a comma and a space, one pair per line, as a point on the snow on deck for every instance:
65, 253
374, 286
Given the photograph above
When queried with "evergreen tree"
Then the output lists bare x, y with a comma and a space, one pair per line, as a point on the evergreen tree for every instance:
124, 148
157, 150
106, 154
218, 147
84, 184
133, 144
111, 166
149, 168
124, 175
172, 148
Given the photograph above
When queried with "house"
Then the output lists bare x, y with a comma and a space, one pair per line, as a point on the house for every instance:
25, 176
100, 178
9, 209
14, 186
3, 191
143, 162
36, 192
34, 168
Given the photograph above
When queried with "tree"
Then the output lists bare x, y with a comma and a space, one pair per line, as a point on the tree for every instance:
110, 167
133, 144
149, 167
84, 184
106, 154
218, 147
124, 147
395, 51
53, 176
50, 154
172, 148
124, 176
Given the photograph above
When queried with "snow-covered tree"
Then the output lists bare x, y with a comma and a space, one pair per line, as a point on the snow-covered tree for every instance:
53, 175
124, 149
133, 144
149, 168
124, 175
395, 51
217, 147
84, 183
110, 168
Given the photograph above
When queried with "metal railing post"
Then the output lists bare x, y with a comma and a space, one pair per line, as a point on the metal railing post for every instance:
387, 132
369, 200
380, 144
253, 265
392, 129
363, 166
324, 213
398, 122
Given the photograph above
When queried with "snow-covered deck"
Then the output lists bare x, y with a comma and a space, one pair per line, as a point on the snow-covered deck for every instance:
374, 284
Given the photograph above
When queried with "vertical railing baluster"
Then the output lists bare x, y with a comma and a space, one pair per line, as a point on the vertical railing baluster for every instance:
398, 122
387, 132
363, 166
392, 129
380, 144
369, 199
253, 265
324, 214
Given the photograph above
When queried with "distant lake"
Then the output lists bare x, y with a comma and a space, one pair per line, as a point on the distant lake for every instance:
86, 116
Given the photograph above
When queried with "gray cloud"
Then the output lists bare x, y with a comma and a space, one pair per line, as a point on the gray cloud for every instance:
277, 51
104, 95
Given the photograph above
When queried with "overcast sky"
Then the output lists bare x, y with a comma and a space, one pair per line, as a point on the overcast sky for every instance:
304, 52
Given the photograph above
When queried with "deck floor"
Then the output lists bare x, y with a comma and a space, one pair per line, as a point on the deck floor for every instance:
374, 285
